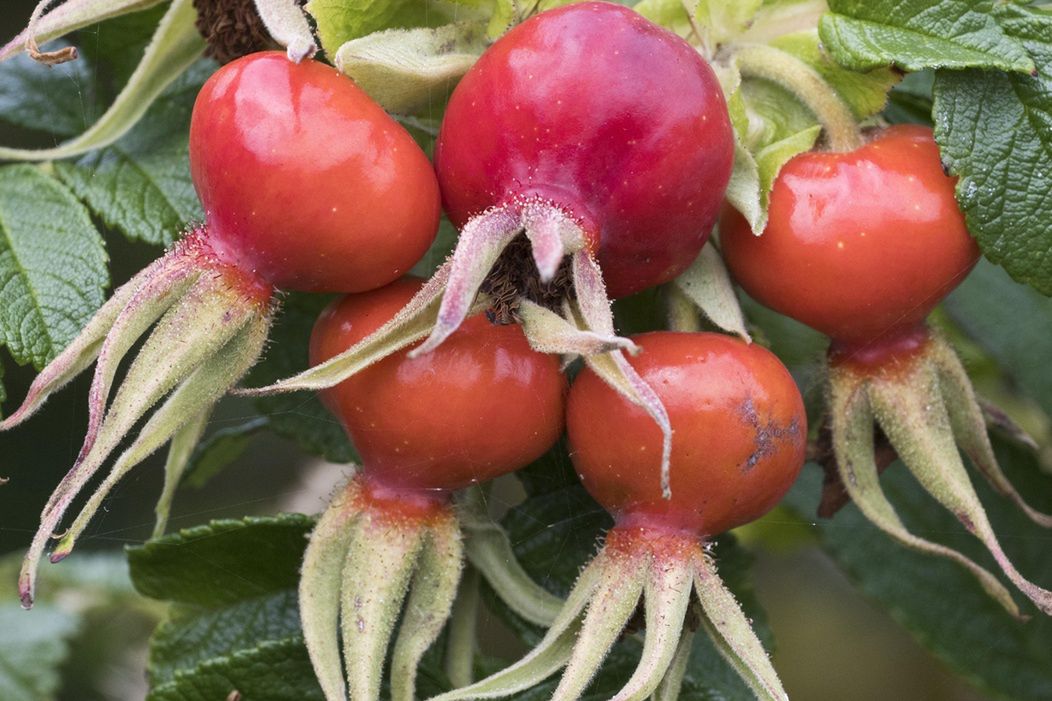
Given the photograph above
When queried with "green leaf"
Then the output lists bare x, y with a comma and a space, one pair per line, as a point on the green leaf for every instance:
671, 14
175, 45
32, 646
995, 132
299, 416
234, 622
60, 100
916, 34
272, 670
339, 21
939, 602
141, 184
52, 265
910, 100
224, 562
1020, 340
220, 449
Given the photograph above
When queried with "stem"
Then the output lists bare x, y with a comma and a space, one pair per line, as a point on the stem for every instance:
807, 85
460, 645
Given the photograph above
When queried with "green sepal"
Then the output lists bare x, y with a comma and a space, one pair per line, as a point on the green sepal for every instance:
732, 633
431, 595
969, 422
489, 550
666, 597
180, 452
406, 70
708, 285
853, 445
910, 408
381, 556
319, 589
672, 683
550, 654
174, 47
193, 399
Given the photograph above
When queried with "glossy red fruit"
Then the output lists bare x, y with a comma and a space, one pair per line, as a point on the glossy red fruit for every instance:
860, 245
740, 435
615, 120
481, 405
305, 180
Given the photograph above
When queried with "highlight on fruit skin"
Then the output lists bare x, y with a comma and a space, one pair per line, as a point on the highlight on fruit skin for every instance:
861, 246
390, 543
287, 206
584, 156
740, 442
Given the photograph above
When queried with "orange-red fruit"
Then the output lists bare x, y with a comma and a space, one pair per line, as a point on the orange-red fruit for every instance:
481, 405
860, 245
306, 181
739, 435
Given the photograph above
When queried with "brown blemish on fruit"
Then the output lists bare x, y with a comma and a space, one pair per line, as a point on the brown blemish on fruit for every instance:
768, 437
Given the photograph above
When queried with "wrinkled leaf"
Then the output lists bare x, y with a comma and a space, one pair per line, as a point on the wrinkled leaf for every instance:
52, 265
916, 34
995, 132
141, 184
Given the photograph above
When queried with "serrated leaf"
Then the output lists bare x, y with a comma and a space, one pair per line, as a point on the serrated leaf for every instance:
32, 647
339, 21
299, 416
175, 45
864, 92
407, 69
995, 133
1019, 341
272, 670
939, 602
910, 100
141, 184
52, 265
917, 34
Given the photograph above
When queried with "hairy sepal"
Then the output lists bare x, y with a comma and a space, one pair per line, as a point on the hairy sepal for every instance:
412, 323
407, 69
666, 595
551, 653
672, 683
708, 285
67, 17
489, 550
968, 421
732, 634
180, 450
207, 317
319, 589
431, 595
82, 351
287, 24
910, 409
193, 399
547, 332
853, 446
